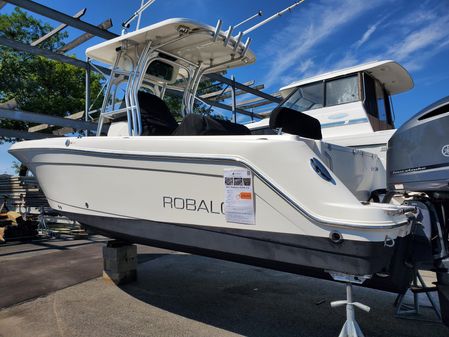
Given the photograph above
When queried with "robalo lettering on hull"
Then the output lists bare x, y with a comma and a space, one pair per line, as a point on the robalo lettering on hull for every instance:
193, 205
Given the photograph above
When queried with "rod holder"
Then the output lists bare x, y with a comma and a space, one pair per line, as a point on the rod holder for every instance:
228, 35
217, 30
246, 46
239, 39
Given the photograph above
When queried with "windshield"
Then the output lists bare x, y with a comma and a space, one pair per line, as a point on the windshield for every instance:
307, 97
323, 94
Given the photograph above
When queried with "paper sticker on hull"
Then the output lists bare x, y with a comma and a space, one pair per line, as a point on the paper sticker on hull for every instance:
239, 196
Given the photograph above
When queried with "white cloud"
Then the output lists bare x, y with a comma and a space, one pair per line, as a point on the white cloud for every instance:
429, 38
305, 65
370, 31
411, 36
366, 36
307, 29
421, 15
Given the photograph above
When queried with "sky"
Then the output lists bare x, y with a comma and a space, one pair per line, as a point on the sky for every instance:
315, 37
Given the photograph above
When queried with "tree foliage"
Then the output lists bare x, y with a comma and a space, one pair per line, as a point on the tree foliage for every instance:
38, 84
206, 86
49, 87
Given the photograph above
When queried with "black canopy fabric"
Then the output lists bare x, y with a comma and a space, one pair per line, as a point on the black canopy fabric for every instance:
200, 125
296, 123
157, 119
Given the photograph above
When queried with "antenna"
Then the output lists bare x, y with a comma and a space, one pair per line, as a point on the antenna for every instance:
271, 18
259, 13
142, 2
137, 14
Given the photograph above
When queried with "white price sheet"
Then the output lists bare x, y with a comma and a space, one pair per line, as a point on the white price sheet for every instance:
239, 196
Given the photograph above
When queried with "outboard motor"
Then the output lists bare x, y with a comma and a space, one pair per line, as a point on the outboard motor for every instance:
418, 172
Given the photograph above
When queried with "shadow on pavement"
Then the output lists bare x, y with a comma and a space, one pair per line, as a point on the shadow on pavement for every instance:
254, 301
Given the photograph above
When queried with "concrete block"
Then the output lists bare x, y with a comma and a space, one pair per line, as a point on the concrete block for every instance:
120, 278
120, 262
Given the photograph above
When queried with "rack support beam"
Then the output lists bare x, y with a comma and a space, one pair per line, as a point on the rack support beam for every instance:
220, 78
47, 119
63, 18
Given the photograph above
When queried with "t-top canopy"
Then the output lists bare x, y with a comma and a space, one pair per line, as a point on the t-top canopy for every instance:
391, 74
197, 45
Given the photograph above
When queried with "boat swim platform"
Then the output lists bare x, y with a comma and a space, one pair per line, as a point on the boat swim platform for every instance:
55, 288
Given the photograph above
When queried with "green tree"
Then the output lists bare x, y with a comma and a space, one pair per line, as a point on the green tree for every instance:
206, 86
38, 84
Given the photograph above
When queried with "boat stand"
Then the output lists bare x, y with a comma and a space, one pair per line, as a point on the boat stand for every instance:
351, 328
412, 311
119, 262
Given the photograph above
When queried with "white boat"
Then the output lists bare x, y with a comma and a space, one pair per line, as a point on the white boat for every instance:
305, 204
353, 105
286, 201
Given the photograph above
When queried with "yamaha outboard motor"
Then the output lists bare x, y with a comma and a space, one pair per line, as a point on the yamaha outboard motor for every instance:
418, 171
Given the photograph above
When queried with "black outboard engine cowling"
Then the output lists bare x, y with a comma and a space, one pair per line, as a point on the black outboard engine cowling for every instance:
418, 152
418, 168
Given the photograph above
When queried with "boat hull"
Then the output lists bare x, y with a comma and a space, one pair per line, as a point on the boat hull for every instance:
296, 251
169, 192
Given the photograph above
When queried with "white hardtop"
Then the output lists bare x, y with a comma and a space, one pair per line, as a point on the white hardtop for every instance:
199, 47
391, 74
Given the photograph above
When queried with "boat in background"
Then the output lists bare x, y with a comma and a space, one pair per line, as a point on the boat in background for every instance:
353, 105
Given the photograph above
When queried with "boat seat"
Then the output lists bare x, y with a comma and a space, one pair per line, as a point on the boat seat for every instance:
156, 117
201, 125
157, 120
296, 123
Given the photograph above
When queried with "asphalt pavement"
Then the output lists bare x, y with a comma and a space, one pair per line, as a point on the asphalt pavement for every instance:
178, 295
